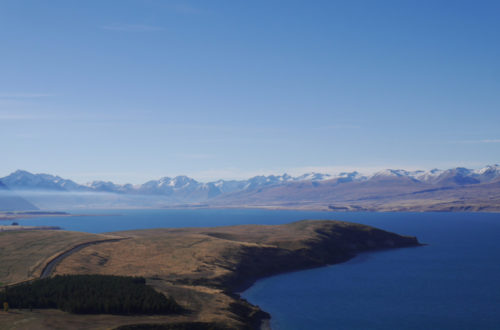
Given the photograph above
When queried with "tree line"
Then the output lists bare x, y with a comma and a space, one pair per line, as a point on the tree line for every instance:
90, 294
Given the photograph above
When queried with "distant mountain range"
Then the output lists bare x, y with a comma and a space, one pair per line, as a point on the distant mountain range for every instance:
181, 187
389, 190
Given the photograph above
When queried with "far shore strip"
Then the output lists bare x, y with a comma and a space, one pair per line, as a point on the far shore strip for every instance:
17, 227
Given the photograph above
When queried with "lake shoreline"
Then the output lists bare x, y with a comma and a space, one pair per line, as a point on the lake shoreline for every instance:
212, 265
25, 228
317, 256
7, 216
423, 272
265, 317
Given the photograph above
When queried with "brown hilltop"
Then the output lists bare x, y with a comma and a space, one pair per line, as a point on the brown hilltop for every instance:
202, 268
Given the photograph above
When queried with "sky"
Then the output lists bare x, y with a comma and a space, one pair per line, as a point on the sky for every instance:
135, 90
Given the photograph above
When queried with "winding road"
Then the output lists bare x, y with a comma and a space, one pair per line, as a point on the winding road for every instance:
51, 265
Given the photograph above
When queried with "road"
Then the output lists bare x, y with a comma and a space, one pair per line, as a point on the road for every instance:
51, 265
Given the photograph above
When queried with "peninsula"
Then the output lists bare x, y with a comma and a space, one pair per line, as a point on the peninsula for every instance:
203, 269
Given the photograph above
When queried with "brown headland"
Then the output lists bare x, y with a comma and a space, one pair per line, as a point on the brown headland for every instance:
201, 268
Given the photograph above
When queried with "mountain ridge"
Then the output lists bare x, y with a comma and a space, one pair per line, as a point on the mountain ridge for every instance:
345, 190
24, 180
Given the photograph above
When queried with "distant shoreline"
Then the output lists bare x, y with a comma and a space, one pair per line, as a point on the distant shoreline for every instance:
211, 265
441, 208
348, 208
24, 228
13, 215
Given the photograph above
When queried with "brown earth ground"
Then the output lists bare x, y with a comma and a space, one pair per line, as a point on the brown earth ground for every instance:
201, 268
23, 253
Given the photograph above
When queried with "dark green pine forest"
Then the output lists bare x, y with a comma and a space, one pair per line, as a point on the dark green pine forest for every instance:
90, 294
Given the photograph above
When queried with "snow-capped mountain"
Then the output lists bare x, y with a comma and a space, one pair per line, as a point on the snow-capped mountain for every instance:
488, 173
183, 188
108, 186
23, 180
453, 176
426, 176
261, 180
167, 186
457, 176
460, 175
350, 176
346, 188
229, 186
314, 177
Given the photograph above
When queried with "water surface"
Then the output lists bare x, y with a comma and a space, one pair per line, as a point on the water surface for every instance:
452, 283
100, 221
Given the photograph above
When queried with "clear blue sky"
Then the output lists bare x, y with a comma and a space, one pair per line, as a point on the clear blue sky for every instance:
134, 90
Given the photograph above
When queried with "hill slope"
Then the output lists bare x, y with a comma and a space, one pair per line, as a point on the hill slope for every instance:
200, 268
190, 263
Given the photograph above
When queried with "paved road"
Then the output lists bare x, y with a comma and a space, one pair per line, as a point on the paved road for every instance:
49, 268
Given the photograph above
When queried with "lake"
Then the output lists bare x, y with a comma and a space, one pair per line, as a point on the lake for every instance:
452, 283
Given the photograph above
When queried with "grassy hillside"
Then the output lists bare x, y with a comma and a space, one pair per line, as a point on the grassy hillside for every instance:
23, 254
202, 267
198, 266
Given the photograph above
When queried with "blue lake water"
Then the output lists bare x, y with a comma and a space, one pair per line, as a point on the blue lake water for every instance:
452, 283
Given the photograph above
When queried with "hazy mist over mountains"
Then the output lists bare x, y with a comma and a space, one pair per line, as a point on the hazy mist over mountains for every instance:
24, 180
343, 191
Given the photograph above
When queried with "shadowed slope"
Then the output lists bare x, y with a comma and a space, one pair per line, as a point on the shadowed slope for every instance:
200, 268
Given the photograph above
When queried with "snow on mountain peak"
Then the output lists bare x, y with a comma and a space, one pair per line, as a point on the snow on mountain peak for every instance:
489, 168
313, 176
391, 173
24, 180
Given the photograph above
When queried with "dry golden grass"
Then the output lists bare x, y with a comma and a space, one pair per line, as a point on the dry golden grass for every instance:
23, 254
191, 263
170, 256
50, 319
188, 253
196, 266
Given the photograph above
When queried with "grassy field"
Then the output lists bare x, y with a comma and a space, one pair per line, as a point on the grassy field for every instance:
198, 267
23, 254
55, 319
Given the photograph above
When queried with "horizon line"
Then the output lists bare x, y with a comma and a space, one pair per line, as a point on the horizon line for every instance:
294, 173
